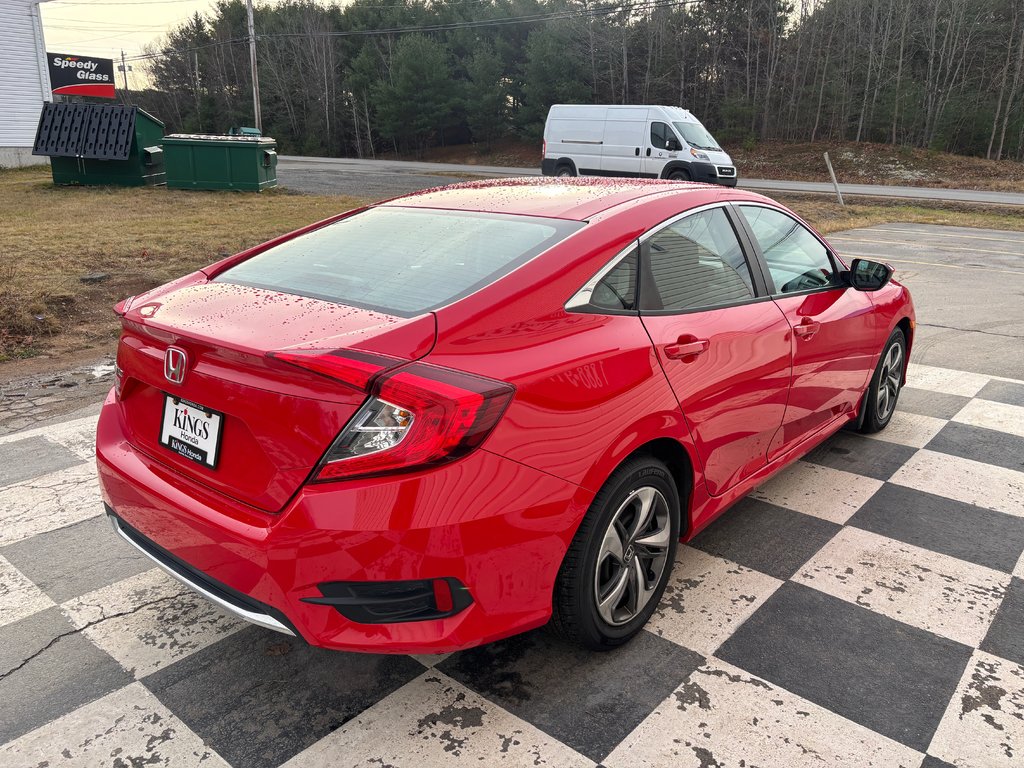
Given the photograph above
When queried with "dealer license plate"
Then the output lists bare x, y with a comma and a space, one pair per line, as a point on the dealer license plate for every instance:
191, 430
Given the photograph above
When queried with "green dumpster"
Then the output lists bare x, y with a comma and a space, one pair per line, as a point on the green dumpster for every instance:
101, 144
199, 161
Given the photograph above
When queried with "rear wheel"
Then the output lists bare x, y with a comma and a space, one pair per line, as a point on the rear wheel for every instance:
679, 175
565, 170
884, 391
620, 560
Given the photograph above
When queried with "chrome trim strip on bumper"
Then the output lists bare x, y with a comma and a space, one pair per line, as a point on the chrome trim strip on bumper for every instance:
260, 619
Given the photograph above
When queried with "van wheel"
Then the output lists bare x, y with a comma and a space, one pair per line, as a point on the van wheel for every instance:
619, 562
679, 176
565, 171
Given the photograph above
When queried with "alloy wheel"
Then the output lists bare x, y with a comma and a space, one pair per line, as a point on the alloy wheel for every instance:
633, 556
889, 382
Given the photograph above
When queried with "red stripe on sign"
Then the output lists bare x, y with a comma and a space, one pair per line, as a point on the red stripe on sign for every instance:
103, 90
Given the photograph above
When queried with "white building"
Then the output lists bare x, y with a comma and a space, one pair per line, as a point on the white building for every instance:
24, 81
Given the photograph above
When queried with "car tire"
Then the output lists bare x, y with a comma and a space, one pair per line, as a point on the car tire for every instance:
884, 391
623, 551
565, 171
679, 176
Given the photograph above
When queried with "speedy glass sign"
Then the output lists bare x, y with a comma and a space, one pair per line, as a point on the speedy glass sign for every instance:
72, 75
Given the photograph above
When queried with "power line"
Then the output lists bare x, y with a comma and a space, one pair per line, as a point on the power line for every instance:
474, 24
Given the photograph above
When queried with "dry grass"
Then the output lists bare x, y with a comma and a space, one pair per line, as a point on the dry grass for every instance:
51, 236
826, 215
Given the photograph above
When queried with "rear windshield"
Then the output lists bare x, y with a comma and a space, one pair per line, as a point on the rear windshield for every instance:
401, 261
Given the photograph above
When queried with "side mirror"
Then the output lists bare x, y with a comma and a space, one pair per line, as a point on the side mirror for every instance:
865, 275
672, 145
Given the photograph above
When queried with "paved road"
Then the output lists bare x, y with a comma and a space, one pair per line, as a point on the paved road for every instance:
968, 286
380, 178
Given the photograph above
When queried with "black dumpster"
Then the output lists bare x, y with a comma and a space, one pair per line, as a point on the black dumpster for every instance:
101, 144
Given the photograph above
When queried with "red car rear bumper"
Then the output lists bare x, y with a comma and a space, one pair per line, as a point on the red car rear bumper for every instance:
497, 526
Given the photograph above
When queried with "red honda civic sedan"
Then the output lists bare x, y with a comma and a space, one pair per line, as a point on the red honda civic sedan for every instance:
455, 416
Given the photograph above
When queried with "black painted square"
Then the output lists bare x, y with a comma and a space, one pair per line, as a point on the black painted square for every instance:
1006, 635
1003, 392
258, 698
978, 535
47, 669
71, 561
590, 701
988, 446
765, 537
860, 455
924, 402
881, 673
33, 457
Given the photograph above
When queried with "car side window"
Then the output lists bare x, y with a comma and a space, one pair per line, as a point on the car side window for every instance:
696, 263
617, 289
660, 134
797, 260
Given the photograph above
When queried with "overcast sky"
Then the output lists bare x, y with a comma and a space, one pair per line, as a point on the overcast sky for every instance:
105, 27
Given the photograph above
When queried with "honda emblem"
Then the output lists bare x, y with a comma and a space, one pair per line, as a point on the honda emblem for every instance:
175, 362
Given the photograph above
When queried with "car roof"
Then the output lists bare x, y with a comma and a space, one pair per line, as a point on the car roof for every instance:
577, 199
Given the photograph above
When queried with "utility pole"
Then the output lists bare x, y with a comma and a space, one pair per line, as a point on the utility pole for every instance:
252, 63
124, 69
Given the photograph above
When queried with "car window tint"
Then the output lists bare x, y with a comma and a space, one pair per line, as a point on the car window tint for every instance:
402, 261
695, 263
796, 259
660, 134
617, 289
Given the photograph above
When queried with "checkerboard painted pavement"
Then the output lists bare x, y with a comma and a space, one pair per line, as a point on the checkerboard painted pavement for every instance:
863, 608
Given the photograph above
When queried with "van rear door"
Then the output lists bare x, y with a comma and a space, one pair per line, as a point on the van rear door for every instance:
621, 151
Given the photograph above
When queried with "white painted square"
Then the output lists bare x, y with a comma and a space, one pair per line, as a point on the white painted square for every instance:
936, 592
706, 599
49, 502
19, 597
1019, 570
945, 380
57, 432
149, 621
992, 415
813, 489
129, 727
983, 727
430, 660
966, 480
78, 436
911, 429
724, 716
435, 721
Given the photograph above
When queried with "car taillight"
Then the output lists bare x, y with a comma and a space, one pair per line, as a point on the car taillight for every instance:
417, 414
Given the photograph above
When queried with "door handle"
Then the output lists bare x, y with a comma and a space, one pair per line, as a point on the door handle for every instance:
686, 347
637, 153
648, 151
807, 328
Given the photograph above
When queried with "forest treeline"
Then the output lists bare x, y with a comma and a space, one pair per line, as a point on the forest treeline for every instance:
382, 75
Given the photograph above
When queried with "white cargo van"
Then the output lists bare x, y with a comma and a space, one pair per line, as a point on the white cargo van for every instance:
650, 141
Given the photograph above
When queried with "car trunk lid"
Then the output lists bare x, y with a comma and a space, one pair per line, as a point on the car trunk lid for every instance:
277, 419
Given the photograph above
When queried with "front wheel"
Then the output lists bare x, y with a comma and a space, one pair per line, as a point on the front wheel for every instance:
679, 176
565, 171
885, 386
620, 560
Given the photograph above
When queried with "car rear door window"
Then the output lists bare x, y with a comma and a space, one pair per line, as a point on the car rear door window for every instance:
796, 259
696, 263
401, 261
617, 289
